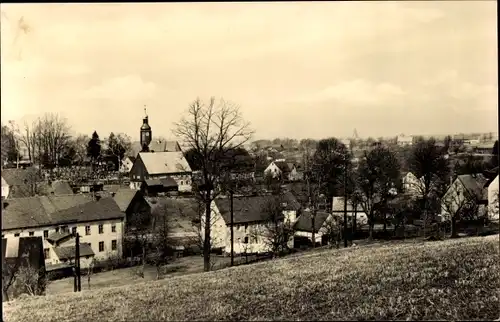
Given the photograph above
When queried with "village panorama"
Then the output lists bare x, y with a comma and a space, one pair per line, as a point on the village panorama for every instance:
203, 218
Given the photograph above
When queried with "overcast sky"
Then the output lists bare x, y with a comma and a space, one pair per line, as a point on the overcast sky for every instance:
296, 69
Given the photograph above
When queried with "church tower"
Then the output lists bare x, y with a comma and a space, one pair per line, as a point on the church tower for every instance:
145, 133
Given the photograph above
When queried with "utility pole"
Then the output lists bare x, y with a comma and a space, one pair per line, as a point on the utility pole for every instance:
231, 193
77, 262
345, 202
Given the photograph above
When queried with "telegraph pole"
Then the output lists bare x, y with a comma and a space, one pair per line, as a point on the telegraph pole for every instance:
77, 262
345, 202
231, 193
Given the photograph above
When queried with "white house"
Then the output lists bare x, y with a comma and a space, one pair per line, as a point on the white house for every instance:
467, 189
100, 224
493, 205
160, 165
403, 140
358, 211
282, 169
250, 220
127, 164
412, 185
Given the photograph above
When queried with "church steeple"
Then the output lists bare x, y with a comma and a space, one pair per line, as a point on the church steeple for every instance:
145, 132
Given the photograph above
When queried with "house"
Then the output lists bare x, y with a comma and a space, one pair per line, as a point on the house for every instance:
304, 226
100, 222
403, 140
161, 165
412, 185
352, 211
22, 182
127, 164
249, 222
467, 189
19, 253
131, 202
493, 198
284, 170
159, 187
64, 250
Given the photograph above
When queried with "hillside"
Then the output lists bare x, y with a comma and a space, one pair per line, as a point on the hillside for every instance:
450, 280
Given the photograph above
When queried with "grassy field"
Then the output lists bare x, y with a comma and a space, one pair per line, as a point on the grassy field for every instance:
449, 280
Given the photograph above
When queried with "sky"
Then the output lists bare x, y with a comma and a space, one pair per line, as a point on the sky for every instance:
297, 69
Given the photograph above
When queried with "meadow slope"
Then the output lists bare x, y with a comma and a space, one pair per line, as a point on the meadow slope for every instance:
449, 280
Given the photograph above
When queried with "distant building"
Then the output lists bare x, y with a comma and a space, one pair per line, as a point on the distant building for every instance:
161, 165
412, 185
304, 227
466, 189
127, 164
284, 170
403, 140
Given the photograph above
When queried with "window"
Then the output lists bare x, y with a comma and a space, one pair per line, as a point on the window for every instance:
73, 230
182, 183
57, 229
46, 253
246, 226
87, 230
113, 228
16, 235
245, 241
101, 229
64, 229
113, 244
45, 234
32, 233
101, 246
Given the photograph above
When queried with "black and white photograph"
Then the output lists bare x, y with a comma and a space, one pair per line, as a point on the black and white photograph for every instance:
250, 161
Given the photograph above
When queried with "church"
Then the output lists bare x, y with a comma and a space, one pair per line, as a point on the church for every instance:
159, 166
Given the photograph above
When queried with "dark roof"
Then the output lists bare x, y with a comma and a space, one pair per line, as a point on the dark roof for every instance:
68, 252
475, 184
283, 166
157, 146
50, 210
58, 236
123, 198
18, 176
61, 187
251, 209
132, 158
304, 222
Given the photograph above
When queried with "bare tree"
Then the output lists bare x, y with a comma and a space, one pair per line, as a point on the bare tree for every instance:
428, 162
212, 130
459, 204
376, 174
162, 250
277, 231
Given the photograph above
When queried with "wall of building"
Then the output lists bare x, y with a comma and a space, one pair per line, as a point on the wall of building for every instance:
5, 191
412, 185
256, 242
273, 170
493, 200
94, 238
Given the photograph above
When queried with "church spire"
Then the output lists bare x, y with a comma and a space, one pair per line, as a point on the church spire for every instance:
146, 134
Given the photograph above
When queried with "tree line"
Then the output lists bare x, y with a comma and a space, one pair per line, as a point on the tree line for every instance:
48, 142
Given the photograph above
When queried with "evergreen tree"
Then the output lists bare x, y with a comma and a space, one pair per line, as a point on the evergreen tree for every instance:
94, 148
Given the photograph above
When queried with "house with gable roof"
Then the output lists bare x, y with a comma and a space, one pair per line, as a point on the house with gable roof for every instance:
100, 223
249, 219
284, 170
161, 165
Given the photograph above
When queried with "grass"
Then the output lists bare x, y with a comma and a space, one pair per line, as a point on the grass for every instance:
449, 280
